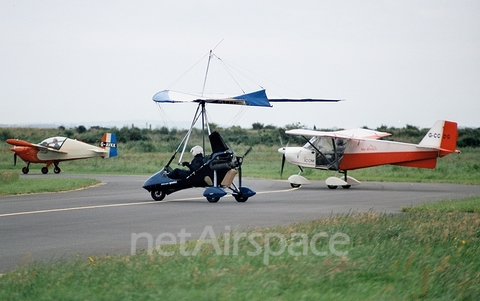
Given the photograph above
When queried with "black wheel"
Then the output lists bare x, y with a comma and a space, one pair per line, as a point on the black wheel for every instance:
158, 195
57, 169
44, 170
25, 170
332, 186
213, 200
240, 199
295, 185
346, 186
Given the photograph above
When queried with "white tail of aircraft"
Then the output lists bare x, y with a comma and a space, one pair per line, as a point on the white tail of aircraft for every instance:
442, 136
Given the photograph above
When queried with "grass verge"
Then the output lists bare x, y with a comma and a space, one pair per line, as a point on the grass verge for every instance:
39, 185
471, 205
425, 255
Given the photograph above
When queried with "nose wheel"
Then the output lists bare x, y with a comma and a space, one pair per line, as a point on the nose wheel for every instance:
158, 195
56, 169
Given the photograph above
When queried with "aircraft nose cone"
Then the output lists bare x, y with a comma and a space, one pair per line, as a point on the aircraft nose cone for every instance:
281, 150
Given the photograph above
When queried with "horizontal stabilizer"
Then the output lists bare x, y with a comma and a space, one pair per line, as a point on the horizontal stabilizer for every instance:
98, 151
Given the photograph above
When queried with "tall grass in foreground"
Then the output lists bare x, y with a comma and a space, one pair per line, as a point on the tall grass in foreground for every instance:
428, 256
471, 205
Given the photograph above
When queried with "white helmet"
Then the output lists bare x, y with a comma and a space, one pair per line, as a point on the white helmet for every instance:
196, 150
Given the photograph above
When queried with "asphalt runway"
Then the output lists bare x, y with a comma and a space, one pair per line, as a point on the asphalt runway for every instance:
102, 220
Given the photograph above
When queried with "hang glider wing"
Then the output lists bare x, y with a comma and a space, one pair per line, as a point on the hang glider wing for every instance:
352, 134
258, 98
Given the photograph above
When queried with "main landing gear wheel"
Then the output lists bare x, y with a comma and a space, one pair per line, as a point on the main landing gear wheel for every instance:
44, 170
158, 195
335, 187
213, 200
295, 185
25, 170
240, 199
57, 170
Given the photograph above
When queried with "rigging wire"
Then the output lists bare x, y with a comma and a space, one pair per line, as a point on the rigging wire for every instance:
245, 75
164, 116
185, 73
241, 111
229, 67
229, 73
234, 71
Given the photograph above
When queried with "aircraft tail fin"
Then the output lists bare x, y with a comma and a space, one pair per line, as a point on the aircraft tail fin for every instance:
109, 143
442, 136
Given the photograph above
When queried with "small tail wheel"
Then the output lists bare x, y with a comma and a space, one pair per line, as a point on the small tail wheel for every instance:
158, 195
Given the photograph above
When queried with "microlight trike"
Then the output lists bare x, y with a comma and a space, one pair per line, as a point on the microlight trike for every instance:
222, 165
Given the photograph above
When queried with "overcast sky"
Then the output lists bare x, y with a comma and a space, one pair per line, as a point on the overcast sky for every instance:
394, 62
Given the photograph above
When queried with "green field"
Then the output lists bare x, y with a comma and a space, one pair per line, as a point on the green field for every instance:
430, 252
263, 162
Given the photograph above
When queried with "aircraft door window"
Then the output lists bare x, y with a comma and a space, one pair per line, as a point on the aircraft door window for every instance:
324, 154
340, 145
329, 152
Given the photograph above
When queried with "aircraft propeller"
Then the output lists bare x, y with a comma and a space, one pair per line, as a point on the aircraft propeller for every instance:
240, 158
246, 153
283, 155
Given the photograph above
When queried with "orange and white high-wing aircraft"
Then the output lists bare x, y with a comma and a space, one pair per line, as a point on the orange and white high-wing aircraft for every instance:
345, 150
57, 149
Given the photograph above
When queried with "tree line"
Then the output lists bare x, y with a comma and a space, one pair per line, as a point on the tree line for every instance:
269, 135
